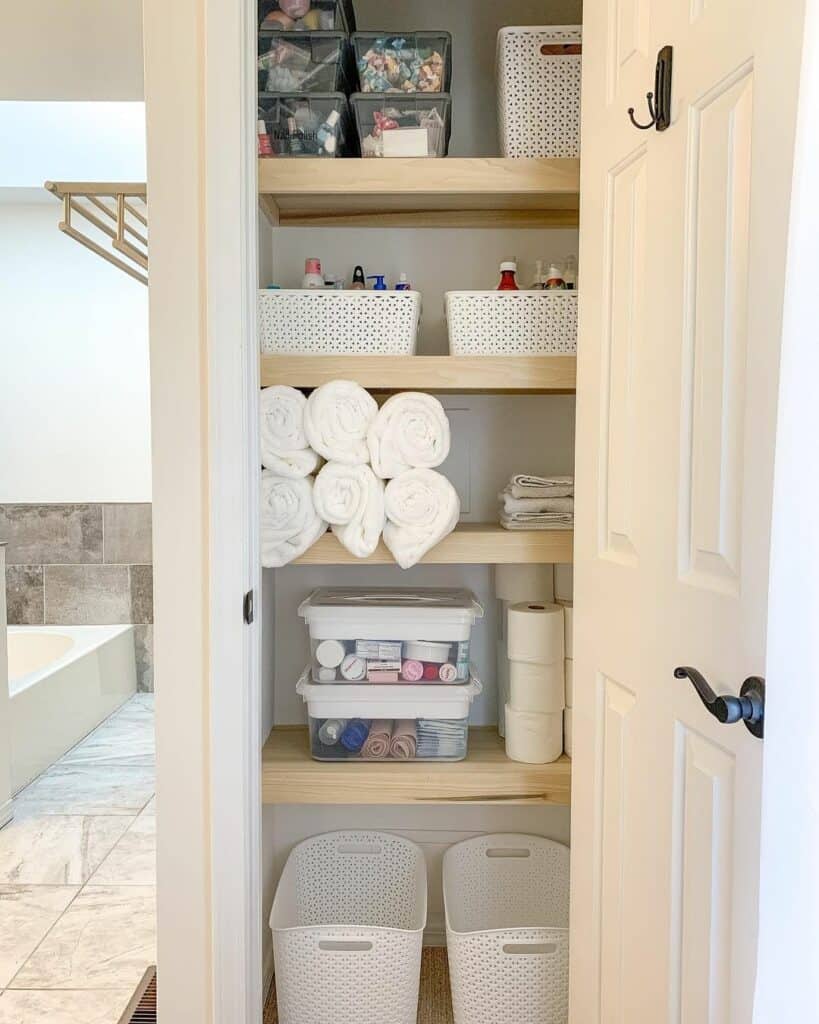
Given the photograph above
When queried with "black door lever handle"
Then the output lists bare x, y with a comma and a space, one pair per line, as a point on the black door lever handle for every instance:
748, 707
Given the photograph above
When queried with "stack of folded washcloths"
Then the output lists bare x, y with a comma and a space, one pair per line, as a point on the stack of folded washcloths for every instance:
537, 503
341, 423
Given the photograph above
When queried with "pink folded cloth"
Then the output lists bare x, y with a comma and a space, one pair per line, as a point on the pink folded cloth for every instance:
404, 739
377, 744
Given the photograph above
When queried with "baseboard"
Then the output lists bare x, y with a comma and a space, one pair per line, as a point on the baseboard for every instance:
6, 813
267, 970
435, 931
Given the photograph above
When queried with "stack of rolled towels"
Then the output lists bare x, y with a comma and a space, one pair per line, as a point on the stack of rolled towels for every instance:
326, 459
537, 503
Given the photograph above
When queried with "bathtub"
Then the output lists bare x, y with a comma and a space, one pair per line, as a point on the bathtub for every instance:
63, 681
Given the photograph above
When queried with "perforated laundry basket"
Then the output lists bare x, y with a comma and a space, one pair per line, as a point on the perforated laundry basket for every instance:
347, 922
506, 899
302, 322
539, 91
523, 323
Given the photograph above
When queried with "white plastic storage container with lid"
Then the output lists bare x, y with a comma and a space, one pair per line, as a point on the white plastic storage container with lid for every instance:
390, 635
419, 722
348, 922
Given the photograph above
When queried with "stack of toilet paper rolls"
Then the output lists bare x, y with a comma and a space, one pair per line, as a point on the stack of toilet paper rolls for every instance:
568, 621
537, 689
514, 584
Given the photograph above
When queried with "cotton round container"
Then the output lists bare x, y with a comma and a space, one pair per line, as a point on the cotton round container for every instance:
387, 627
348, 921
506, 904
535, 633
533, 737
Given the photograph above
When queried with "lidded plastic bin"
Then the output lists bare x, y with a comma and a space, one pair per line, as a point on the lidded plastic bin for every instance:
348, 921
403, 61
506, 903
297, 62
417, 124
414, 722
306, 15
390, 635
308, 124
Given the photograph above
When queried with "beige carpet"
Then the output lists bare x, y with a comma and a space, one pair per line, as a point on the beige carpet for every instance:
434, 1005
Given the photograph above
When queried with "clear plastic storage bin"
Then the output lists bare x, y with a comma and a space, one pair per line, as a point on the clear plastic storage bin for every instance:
388, 636
403, 61
307, 124
306, 15
388, 723
298, 62
412, 125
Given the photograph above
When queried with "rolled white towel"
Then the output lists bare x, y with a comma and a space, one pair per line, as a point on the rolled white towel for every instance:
411, 431
422, 508
289, 522
351, 499
284, 446
336, 421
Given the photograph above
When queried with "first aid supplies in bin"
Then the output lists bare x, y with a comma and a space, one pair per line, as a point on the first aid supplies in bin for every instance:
390, 635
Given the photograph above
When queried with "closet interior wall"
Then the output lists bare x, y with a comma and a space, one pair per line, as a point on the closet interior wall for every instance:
493, 436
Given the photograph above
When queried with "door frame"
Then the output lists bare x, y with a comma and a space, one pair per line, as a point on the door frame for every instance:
200, 95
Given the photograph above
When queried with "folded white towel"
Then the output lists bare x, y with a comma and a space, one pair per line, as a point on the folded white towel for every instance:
422, 508
411, 431
525, 486
284, 445
351, 499
289, 523
336, 421
511, 504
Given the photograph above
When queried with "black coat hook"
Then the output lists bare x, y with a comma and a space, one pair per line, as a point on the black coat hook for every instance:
659, 101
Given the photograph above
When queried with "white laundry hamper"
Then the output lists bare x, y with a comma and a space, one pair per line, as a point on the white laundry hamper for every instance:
506, 900
347, 922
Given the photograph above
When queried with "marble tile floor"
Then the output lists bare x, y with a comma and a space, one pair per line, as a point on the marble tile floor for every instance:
78, 878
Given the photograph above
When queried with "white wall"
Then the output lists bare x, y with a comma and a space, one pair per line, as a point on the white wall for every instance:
75, 413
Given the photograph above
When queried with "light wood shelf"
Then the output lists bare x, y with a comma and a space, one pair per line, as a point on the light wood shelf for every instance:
291, 776
499, 375
406, 192
469, 544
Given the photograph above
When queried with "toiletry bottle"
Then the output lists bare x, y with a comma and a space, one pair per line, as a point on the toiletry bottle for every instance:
380, 284
327, 132
554, 278
403, 284
340, 286
312, 274
570, 273
265, 147
330, 731
508, 283
537, 283
293, 136
359, 281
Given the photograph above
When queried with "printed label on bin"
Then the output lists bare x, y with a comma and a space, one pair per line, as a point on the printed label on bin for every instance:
383, 650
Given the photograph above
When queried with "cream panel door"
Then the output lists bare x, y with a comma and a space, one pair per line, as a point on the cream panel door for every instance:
683, 246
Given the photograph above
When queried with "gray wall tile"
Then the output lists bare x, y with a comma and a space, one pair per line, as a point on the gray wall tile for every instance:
87, 595
127, 534
144, 653
142, 593
52, 534
24, 595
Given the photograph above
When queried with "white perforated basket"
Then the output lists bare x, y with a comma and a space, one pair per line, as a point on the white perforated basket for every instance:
347, 922
539, 92
335, 323
524, 323
506, 900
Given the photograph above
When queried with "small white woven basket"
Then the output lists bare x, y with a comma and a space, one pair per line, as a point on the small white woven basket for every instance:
303, 322
524, 323
506, 900
348, 920
538, 93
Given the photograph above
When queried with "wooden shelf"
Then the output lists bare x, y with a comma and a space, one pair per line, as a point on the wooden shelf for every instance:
291, 776
470, 544
405, 192
499, 375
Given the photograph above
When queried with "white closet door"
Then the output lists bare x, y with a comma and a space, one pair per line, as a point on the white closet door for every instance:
683, 245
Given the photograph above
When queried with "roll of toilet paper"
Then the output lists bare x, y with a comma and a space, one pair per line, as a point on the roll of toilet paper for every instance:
535, 633
503, 684
567, 731
568, 672
330, 653
537, 687
533, 738
515, 583
568, 627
